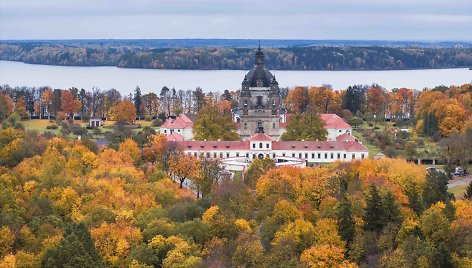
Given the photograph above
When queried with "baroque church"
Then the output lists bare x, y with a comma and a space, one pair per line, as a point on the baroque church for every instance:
259, 104
261, 120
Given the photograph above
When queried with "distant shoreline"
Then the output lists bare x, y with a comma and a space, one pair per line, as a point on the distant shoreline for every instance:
337, 70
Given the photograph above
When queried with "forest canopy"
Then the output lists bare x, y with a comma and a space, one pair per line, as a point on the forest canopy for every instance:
239, 58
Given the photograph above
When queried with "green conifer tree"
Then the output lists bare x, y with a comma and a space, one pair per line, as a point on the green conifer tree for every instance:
76, 249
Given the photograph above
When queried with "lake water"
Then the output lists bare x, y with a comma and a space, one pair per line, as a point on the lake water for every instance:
126, 80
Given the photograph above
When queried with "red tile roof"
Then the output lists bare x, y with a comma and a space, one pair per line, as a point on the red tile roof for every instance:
213, 145
345, 137
319, 146
174, 137
182, 121
334, 121
260, 137
276, 145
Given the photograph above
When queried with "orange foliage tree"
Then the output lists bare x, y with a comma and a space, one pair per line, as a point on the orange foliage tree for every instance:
184, 166
69, 103
124, 111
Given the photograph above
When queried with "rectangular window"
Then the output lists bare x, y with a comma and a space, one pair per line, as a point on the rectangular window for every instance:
313, 156
332, 156
227, 154
339, 156
254, 146
319, 156
283, 154
273, 155
306, 156
362, 156
260, 145
208, 155
353, 156
237, 154
267, 145
221, 155
344, 156
293, 155
214, 155
247, 155
326, 156
299, 155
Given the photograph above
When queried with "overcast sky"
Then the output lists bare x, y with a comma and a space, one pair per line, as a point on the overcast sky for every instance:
291, 19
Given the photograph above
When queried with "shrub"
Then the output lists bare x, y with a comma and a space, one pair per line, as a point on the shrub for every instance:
159, 175
78, 130
52, 127
157, 123
49, 135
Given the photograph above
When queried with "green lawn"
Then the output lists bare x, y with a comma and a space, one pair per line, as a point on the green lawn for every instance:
458, 191
40, 126
373, 150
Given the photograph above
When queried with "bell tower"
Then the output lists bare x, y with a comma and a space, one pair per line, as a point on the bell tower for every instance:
259, 104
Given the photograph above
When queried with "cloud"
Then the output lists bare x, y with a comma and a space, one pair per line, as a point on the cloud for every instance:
308, 19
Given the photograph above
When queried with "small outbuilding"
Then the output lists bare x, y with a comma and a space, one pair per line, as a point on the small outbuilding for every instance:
95, 122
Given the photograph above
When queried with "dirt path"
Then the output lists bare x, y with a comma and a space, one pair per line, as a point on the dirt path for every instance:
459, 182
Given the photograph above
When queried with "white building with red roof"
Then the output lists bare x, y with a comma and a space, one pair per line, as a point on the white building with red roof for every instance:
262, 145
182, 125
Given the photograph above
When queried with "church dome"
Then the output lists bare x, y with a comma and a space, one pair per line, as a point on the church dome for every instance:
259, 76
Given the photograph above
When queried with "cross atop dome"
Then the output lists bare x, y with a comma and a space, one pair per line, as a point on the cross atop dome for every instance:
259, 55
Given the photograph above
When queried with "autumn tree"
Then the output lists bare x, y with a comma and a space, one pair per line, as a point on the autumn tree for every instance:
124, 111
20, 107
158, 150
69, 103
323, 98
213, 123
297, 100
375, 102
208, 178
307, 126
151, 104
6, 106
183, 166
257, 168
325, 256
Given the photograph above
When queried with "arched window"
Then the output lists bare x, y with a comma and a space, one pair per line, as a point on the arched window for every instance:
260, 127
245, 125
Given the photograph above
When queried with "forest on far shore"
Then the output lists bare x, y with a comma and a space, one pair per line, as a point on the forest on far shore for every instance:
317, 57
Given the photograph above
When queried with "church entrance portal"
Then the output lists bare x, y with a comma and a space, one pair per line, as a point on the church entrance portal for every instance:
260, 156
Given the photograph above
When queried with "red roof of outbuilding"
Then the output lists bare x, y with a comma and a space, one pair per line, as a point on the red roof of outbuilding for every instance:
174, 137
334, 121
182, 121
345, 137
